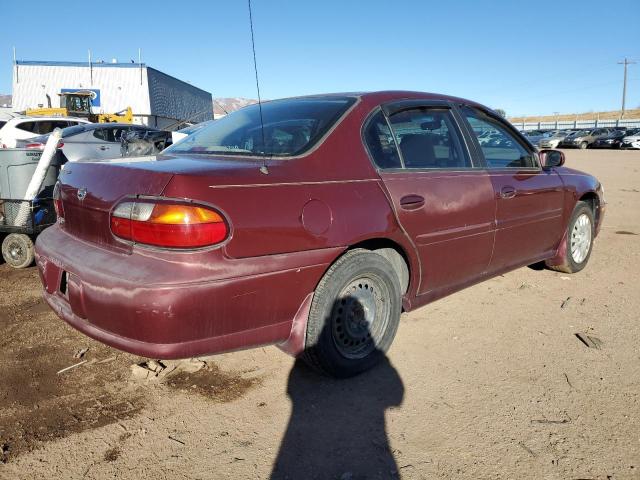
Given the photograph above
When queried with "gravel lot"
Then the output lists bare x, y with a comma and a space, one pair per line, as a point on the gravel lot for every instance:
489, 383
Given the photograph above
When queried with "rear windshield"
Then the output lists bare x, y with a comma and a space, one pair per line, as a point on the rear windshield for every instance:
291, 127
67, 132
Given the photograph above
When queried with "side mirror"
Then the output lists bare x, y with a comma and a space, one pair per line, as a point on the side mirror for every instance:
551, 158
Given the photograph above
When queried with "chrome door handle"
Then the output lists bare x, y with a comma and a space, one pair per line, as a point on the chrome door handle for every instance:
104, 148
507, 192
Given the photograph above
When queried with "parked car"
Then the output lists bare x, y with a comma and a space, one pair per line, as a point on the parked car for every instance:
22, 127
584, 138
103, 140
553, 139
632, 139
613, 140
536, 135
137, 141
313, 229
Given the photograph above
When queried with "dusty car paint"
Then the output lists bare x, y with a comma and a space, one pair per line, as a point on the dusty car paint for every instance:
286, 229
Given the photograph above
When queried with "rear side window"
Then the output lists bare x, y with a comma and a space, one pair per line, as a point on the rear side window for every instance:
379, 141
2, 124
291, 127
427, 138
28, 127
500, 147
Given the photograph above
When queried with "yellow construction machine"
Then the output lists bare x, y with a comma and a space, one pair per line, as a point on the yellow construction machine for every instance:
78, 104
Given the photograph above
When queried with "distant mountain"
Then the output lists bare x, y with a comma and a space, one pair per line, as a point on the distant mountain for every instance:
221, 106
5, 100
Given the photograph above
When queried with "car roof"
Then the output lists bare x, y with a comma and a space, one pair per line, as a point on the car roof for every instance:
384, 96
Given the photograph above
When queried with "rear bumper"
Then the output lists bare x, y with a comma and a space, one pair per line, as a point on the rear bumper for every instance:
176, 305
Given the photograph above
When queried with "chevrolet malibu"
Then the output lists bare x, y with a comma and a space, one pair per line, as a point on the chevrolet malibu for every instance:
310, 223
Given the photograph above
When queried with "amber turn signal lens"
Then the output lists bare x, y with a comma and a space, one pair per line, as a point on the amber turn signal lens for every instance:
171, 225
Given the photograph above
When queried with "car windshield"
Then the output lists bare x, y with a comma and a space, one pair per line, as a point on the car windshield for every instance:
288, 127
582, 133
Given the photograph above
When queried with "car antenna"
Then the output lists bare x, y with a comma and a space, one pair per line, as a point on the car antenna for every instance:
263, 168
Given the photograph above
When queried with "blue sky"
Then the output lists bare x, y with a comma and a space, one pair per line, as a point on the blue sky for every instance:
525, 57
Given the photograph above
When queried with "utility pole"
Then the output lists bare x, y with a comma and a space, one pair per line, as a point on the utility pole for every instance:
624, 84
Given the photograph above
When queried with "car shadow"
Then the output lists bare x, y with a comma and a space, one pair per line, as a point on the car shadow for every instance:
337, 427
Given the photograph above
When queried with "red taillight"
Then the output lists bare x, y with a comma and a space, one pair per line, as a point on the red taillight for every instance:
57, 201
166, 224
40, 146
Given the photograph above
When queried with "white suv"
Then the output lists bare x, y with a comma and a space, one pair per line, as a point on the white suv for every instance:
19, 128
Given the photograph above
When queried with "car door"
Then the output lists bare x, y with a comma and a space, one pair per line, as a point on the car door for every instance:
529, 199
107, 143
442, 200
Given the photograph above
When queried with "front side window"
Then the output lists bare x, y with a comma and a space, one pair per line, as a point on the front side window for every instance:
287, 128
500, 147
111, 134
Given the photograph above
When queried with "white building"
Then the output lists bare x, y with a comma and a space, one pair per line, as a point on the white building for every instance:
157, 99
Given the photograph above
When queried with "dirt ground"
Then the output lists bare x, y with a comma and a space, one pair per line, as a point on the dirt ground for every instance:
491, 382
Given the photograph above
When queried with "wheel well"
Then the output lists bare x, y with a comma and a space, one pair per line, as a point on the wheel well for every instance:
594, 202
394, 254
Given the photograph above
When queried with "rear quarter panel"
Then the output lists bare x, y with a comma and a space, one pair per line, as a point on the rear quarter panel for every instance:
330, 197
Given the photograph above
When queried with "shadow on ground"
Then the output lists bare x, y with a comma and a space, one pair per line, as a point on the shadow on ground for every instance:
337, 427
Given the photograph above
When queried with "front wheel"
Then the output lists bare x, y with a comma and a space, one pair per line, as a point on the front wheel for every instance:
580, 232
584, 145
354, 315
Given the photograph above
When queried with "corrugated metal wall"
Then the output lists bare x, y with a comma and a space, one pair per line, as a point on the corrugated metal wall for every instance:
120, 85
171, 98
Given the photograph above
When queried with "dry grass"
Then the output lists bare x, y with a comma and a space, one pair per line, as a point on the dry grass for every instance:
612, 115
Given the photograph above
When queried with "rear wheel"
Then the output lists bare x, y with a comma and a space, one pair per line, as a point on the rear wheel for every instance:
354, 315
579, 240
17, 250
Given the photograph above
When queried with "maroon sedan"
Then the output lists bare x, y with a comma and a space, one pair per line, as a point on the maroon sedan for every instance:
310, 223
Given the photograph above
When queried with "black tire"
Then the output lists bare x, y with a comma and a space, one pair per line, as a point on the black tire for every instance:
17, 250
583, 145
354, 315
569, 263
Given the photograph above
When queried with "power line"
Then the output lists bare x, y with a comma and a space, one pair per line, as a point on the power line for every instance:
624, 84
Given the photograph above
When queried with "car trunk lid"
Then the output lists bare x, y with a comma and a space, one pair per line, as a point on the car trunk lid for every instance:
89, 191
104, 183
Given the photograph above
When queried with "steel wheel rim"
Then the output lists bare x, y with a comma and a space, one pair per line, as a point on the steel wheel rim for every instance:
360, 316
15, 252
581, 238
